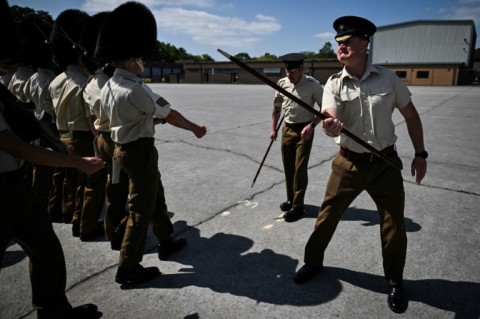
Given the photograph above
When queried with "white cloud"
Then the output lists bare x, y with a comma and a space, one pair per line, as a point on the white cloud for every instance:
210, 29
199, 25
92, 6
325, 35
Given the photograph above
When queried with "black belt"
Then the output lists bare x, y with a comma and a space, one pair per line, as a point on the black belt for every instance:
150, 141
366, 157
296, 126
75, 134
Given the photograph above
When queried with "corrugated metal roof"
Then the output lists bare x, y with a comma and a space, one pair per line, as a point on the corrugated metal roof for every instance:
424, 41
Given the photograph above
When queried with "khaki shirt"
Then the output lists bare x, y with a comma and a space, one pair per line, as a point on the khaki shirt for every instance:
131, 107
17, 83
66, 91
308, 89
91, 95
365, 105
36, 90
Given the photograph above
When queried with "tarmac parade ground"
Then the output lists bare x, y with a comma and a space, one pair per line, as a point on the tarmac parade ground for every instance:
241, 256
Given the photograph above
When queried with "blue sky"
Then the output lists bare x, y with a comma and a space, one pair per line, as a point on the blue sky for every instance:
261, 26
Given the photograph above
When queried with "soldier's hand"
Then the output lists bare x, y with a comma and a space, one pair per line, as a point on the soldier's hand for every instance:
91, 165
200, 131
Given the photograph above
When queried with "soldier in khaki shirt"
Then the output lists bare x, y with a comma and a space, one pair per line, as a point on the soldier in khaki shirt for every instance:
297, 131
33, 32
362, 98
128, 38
116, 193
73, 123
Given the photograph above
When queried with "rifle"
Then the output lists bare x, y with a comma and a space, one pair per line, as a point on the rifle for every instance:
297, 100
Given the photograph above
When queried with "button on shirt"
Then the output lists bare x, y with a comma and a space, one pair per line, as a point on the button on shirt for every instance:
131, 106
365, 105
91, 95
308, 89
66, 91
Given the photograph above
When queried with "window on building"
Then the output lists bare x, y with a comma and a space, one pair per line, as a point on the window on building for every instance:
423, 74
401, 74
272, 70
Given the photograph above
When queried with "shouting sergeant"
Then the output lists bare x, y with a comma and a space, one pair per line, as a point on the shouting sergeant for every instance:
128, 37
297, 133
362, 98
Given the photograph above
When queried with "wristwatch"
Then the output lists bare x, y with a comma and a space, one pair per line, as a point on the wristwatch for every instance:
313, 124
423, 154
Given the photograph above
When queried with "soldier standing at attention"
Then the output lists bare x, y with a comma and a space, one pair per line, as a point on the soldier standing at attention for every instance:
128, 37
297, 132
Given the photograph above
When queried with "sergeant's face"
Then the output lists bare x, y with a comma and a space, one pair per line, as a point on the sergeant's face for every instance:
351, 49
294, 75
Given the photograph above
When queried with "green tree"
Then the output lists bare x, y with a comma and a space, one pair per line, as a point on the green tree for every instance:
20, 13
243, 56
326, 52
267, 57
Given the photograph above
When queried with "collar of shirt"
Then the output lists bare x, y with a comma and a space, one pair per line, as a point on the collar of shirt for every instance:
127, 75
368, 70
78, 69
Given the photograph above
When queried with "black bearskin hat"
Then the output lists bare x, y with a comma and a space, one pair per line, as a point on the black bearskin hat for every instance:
32, 34
88, 41
130, 31
66, 34
8, 49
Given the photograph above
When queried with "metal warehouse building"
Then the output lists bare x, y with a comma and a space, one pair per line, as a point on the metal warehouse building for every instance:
423, 52
427, 52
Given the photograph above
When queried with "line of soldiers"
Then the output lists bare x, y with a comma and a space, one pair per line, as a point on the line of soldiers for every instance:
80, 79
112, 115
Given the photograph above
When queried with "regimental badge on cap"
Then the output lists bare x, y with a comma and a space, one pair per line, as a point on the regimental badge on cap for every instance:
293, 60
348, 26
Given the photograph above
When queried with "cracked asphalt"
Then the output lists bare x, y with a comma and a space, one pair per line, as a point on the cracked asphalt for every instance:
241, 256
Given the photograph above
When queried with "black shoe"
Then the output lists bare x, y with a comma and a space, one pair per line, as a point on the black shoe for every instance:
397, 299
87, 311
97, 232
305, 273
294, 214
285, 206
76, 228
169, 247
135, 274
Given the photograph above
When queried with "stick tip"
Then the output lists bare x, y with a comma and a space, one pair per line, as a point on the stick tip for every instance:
224, 53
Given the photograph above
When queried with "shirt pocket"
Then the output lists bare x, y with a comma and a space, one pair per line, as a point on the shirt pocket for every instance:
348, 96
381, 95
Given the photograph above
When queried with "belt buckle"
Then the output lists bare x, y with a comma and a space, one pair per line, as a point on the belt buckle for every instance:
67, 134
